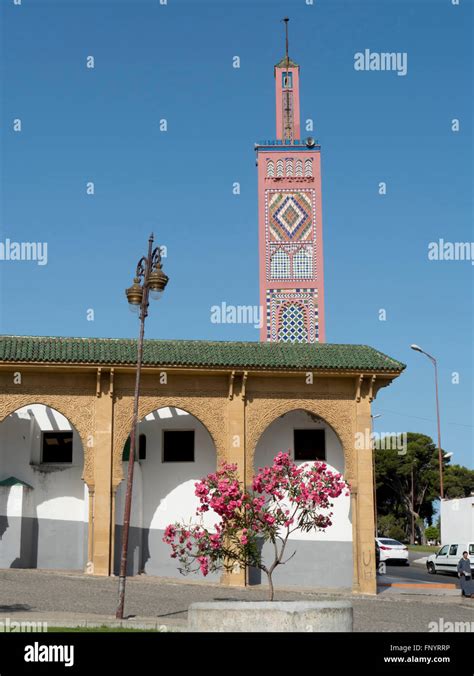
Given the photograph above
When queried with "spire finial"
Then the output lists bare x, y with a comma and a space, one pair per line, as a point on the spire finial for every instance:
286, 19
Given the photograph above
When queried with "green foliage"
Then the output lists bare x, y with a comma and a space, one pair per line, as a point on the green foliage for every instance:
432, 533
408, 483
458, 482
391, 526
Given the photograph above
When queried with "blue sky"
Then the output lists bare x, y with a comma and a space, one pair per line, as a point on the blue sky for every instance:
174, 61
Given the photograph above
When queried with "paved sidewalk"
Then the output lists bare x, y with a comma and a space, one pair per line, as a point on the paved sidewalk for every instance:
74, 599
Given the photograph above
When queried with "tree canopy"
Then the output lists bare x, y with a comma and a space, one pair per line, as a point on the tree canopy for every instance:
407, 483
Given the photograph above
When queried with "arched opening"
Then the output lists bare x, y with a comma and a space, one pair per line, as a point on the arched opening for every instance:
43, 499
324, 558
175, 450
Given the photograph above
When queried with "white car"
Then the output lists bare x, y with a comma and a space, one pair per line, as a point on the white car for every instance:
447, 558
392, 550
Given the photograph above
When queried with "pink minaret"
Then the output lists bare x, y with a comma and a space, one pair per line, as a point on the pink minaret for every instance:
290, 221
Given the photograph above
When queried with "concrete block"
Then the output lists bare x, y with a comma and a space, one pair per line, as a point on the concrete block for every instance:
271, 616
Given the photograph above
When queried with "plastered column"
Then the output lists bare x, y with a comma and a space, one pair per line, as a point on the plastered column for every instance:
365, 581
103, 496
235, 453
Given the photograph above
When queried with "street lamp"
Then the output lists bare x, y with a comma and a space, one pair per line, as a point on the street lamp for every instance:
149, 280
417, 348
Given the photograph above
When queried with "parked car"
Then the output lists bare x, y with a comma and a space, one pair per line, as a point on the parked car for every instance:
392, 550
377, 554
446, 559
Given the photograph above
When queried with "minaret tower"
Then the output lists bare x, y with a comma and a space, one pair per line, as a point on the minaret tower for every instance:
290, 222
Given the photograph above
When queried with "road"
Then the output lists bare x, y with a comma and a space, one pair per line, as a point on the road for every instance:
415, 572
54, 595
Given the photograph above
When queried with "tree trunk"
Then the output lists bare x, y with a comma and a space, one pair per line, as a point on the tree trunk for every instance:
270, 585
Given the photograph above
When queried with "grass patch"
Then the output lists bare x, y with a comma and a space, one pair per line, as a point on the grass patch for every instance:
423, 548
103, 629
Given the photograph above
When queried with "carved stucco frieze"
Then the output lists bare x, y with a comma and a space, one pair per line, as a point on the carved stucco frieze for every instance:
339, 413
209, 409
76, 405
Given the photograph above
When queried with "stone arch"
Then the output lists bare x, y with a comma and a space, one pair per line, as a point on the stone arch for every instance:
324, 559
47, 522
336, 413
79, 410
163, 490
209, 411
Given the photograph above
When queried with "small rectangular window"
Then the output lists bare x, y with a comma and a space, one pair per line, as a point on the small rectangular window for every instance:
141, 449
56, 447
453, 550
178, 445
310, 445
287, 80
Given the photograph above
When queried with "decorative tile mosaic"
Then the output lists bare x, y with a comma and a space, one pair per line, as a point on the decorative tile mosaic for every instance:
291, 261
280, 265
292, 325
290, 215
283, 323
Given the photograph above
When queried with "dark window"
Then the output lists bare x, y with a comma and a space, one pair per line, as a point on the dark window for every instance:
57, 447
178, 445
310, 445
141, 448
453, 550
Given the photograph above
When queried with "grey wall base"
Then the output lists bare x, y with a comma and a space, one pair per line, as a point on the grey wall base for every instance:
147, 553
270, 616
27, 542
315, 564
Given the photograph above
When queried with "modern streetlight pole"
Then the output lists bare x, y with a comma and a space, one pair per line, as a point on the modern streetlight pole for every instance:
149, 280
417, 348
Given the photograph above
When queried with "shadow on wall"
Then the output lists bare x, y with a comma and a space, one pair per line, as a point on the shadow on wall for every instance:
4, 494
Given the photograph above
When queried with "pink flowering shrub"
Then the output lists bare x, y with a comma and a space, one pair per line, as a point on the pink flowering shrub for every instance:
284, 498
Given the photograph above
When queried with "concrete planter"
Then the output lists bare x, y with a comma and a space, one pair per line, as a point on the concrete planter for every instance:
271, 616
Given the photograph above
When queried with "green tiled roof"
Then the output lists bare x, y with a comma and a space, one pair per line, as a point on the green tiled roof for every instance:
13, 481
199, 353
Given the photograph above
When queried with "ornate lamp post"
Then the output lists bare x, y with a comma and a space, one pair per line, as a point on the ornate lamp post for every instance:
149, 280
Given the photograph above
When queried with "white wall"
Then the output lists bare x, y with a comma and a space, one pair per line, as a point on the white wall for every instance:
163, 492
279, 437
457, 520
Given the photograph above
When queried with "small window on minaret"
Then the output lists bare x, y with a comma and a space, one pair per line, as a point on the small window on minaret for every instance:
287, 80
